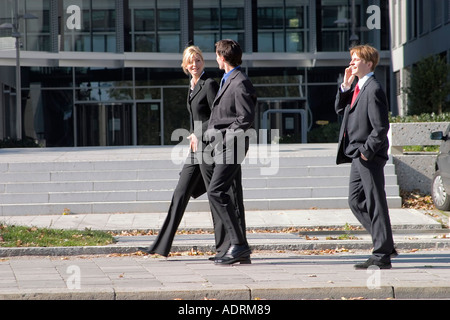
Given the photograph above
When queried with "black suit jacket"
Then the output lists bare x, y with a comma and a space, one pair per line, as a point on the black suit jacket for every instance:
199, 104
365, 125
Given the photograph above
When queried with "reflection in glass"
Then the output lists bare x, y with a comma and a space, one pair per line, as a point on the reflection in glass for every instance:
155, 25
103, 124
148, 124
105, 91
215, 20
37, 31
282, 26
98, 26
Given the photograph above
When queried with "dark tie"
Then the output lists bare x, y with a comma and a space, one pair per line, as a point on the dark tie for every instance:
355, 94
221, 84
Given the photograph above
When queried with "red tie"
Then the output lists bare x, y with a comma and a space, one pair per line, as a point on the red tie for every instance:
355, 94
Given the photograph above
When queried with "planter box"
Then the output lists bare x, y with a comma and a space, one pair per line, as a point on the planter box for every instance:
414, 170
413, 134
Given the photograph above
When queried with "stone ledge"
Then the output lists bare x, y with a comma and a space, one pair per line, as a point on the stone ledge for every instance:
413, 134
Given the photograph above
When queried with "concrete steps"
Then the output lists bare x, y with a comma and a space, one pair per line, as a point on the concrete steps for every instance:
110, 180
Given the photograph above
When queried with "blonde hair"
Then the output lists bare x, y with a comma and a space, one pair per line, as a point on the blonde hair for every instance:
188, 55
366, 53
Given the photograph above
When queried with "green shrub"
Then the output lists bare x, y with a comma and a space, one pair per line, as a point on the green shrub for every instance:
424, 117
14, 143
429, 87
328, 133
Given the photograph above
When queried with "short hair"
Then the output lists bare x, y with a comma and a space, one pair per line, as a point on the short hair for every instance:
188, 55
230, 50
366, 53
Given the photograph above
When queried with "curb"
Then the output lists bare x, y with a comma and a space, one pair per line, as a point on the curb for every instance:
235, 292
311, 245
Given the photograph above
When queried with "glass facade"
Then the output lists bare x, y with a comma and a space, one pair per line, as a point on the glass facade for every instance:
218, 19
336, 25
283, 26
154, 25
36, 31
107, 72
96, 29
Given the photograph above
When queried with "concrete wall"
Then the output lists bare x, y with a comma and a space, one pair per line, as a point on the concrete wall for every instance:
414, 170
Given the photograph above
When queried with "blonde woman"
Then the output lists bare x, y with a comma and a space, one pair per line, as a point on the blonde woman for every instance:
201, 94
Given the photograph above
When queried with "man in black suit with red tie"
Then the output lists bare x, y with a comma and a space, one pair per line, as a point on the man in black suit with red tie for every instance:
363, 141
233, 113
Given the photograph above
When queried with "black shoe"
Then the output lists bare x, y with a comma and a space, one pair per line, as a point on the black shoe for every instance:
145, 250
372, 262
236, 253
217, 256
394, 254
242, 260
148, 251
245, 260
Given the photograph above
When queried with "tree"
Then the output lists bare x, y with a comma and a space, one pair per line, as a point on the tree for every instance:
429, 86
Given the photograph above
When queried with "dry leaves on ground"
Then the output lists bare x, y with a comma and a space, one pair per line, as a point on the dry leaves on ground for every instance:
416, 200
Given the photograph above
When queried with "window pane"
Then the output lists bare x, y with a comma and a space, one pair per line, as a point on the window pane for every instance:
155, 26
169, 43
37, 30
145, 43
215, 20
233, 18
206, 41
335, 25
206, 19
265, 42
144, 20
294, 42
287, 20
103, 20
294, 17
98, 26
239, 37
265, 16
169, 19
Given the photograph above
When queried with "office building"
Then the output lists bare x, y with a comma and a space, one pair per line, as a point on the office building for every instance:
107, 72
419, 29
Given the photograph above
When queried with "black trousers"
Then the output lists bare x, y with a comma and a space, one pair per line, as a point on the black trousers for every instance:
194, 176
367, 200
229, 212
233, 193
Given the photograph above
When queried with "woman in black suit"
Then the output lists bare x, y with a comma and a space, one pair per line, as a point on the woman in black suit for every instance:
202, 92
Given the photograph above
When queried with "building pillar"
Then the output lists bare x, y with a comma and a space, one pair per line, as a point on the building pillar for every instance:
186, 23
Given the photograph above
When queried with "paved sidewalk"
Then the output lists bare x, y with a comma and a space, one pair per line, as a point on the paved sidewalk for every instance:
289, 275
412, 230
284, 265
400, 219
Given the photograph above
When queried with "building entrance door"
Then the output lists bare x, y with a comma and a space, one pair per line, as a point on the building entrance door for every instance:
103, 124
289, 116
149, 123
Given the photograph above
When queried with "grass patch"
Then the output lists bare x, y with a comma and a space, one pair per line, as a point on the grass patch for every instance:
22, 236
421, 148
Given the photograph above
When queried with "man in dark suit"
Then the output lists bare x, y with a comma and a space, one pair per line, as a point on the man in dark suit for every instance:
363, 142
233, 112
